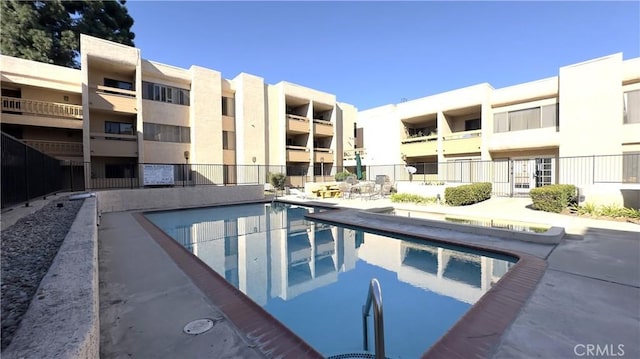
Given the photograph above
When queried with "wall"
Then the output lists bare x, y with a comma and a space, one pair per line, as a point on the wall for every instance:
181, 197
591, 107
251, 127
39, 74
206, 115
64, 316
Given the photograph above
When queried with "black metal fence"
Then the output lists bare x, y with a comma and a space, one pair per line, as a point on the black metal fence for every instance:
28, 173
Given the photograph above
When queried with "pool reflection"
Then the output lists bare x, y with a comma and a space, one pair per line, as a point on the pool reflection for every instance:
272, 251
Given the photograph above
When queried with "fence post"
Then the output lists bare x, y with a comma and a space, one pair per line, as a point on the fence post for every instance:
26, 176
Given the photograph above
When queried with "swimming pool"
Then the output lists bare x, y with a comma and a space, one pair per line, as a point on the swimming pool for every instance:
314, 277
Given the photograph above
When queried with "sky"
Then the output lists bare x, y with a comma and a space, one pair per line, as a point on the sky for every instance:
371, 54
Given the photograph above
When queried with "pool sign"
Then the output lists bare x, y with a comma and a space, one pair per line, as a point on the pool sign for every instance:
158, 175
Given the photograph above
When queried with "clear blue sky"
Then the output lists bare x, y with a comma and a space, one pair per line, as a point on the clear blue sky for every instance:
376, 53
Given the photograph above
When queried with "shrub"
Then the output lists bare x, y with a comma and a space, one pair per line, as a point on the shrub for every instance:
612, 210
411, 198
553, 198
467, 194
277, 180
341, 176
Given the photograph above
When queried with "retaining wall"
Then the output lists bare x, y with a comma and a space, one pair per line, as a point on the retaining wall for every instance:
63, 318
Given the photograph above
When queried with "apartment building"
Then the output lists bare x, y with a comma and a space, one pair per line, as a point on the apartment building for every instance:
120, 113
581, 127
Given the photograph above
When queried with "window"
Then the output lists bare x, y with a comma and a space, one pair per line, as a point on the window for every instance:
228, 140
471, 125
120, 128
526, 119
631, 106
123, 85
228, 106
119, 171
163, 93
631, 167
166, 133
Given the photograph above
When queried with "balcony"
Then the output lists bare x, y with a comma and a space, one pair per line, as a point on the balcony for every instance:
420, 146
112, 99
298, 154
113, 145
297, 124
322, 128
44, 108
323, 155
57, 148
462, 142
41, 113
547, 137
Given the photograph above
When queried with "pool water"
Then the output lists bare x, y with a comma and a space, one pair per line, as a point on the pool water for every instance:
314, 277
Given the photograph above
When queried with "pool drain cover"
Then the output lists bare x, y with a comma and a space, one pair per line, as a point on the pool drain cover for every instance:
198, 326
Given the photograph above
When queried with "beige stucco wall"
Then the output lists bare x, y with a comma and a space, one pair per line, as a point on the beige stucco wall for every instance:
165, 113
38, 74
206, 116
277, 125
250, 120
178, 197
382, 129
591, 107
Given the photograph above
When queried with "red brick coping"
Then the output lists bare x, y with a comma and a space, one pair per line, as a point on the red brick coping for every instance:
475, 335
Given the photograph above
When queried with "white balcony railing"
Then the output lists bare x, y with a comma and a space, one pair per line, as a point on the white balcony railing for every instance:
43, 108
463, 135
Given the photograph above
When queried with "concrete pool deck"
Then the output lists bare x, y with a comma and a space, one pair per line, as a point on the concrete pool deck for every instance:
586, 302
587, 297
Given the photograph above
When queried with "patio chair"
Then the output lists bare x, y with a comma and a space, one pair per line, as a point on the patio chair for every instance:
345, 189
299, 194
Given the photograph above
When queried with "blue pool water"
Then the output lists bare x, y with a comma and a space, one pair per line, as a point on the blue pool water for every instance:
314, 277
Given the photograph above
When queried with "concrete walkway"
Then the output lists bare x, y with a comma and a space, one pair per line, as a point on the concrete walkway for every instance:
146, 300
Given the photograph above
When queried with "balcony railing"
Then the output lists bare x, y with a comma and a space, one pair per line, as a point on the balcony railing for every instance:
43, 108
114, 91
322, 122
297, 117
56, 148
111, 144
351, 154
463, 135
462, 142
420, 139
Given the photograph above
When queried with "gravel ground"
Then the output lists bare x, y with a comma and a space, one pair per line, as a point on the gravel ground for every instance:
28, 248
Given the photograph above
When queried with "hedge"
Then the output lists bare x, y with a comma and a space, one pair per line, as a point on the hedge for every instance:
553, 198
467, 194
411, 198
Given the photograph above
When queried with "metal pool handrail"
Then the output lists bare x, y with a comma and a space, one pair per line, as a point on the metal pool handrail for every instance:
374, 297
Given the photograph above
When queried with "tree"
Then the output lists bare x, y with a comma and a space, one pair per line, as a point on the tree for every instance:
49, 31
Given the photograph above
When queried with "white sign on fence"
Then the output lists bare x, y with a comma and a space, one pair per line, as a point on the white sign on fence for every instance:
158, 175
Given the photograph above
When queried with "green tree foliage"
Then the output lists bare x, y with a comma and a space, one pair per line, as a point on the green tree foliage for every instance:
49, 31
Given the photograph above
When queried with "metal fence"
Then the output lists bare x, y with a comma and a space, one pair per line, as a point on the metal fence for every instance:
514, 176
509, 176
28, 173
